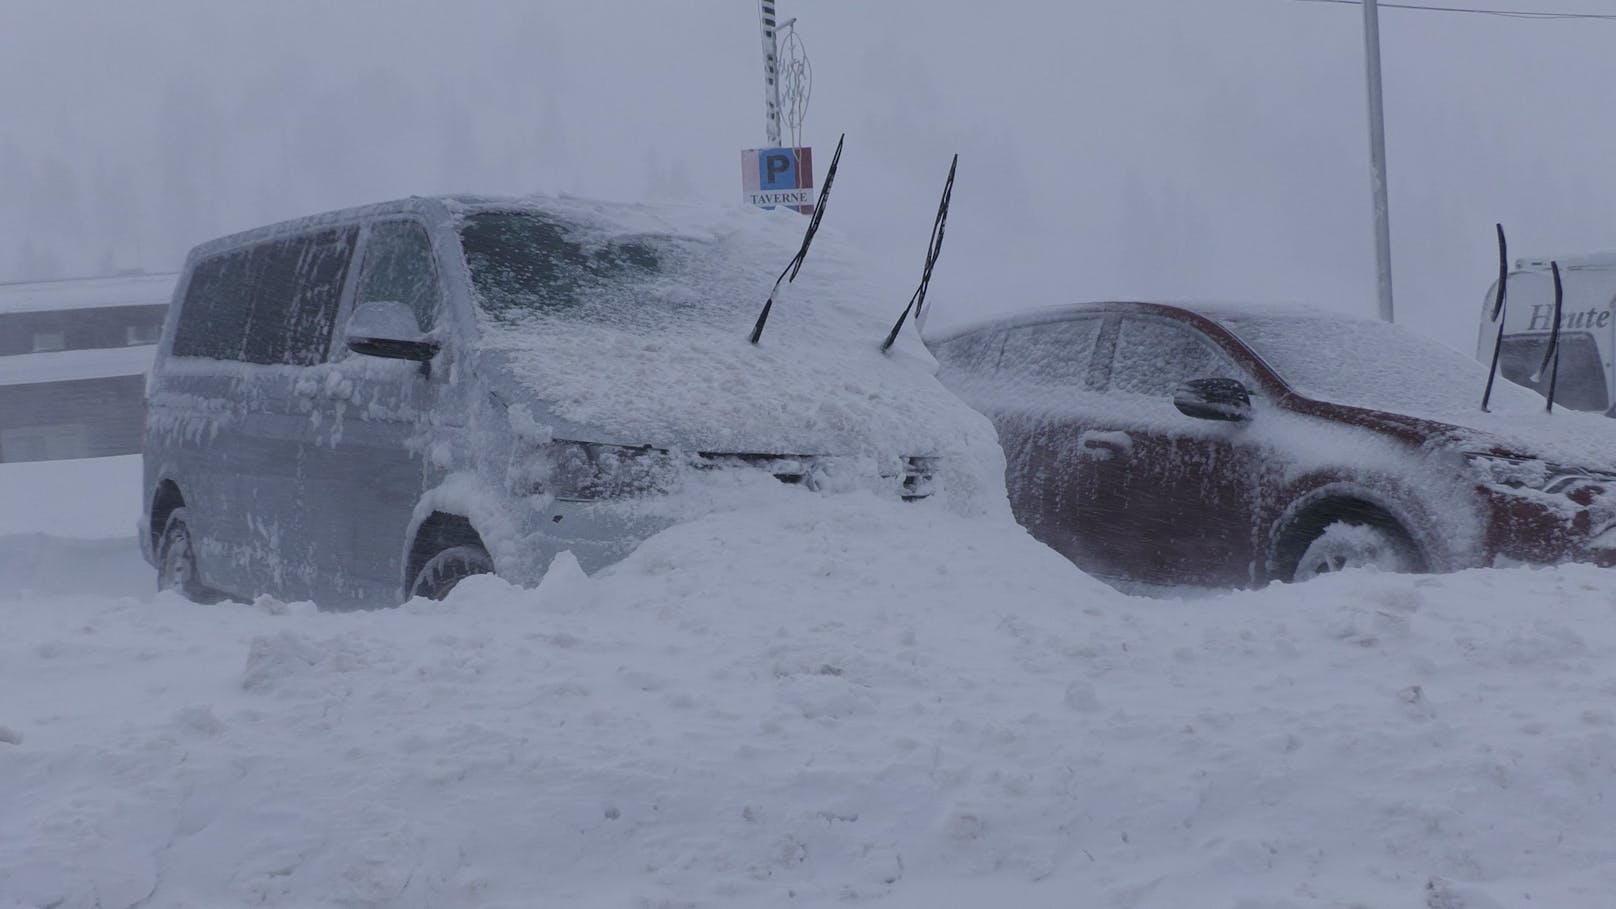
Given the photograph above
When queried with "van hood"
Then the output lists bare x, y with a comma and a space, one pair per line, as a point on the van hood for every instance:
724, 395
629, 324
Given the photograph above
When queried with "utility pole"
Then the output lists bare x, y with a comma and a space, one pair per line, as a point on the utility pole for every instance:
1377, 158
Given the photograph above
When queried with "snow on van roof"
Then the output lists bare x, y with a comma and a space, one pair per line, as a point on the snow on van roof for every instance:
87, 293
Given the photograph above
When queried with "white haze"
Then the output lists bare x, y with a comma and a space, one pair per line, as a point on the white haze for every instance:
1140, 149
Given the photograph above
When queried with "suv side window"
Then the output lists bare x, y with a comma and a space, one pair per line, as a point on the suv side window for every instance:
297, 284
975, 355
1155, 355
399, 267
1050, 354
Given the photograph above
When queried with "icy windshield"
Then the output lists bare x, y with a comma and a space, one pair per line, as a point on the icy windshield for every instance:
526, 266
1370, 364
1580, 382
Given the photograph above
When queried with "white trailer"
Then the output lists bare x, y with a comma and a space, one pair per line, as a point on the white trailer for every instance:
1586, 380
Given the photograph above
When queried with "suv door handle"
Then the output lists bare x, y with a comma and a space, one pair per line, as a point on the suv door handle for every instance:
1103, 445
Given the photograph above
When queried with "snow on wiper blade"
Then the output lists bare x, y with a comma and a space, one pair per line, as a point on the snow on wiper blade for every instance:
933, 250
1498, 313
1552, 352
808, 237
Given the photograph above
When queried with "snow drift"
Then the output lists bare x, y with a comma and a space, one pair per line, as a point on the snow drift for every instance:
816, 700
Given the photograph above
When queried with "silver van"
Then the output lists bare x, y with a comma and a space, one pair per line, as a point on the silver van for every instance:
372, 404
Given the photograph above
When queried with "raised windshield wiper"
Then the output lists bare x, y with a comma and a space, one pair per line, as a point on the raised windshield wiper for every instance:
807, 238
1498, 313
918, 299
1553, 351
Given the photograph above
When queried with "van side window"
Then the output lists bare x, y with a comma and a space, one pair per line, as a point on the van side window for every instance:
271, 303
297, 284
1155, 355
399, 268
1050, 354
213, 317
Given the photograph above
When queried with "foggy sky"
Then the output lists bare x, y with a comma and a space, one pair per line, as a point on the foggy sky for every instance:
1141, 149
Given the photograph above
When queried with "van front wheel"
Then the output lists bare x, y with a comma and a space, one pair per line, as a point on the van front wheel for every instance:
176, 561
443, 571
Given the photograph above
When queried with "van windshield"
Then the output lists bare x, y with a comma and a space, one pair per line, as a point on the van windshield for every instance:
525, 265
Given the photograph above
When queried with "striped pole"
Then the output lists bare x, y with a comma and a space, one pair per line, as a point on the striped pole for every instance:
771, 74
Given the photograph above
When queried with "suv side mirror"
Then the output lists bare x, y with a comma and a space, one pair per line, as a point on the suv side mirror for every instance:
387, 328
1214, 399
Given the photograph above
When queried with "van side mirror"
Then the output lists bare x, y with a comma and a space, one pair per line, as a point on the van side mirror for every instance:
387, 328
1214, 399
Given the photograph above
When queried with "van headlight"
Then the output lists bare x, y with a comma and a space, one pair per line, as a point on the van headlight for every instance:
1532, 473
590, 471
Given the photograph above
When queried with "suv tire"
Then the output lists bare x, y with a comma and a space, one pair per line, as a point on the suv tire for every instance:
1342, 545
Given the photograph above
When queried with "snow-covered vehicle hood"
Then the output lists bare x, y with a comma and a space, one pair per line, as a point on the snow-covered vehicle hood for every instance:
1409, 383
633, 330
721, 394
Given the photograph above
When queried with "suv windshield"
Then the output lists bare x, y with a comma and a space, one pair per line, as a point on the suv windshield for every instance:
527, 266
1372, 364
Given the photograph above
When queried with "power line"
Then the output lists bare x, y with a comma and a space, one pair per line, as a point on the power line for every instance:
1504, 13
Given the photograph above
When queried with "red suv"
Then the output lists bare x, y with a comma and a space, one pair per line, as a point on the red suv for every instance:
1227, 446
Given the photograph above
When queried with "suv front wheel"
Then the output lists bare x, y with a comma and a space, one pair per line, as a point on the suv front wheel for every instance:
1342, 545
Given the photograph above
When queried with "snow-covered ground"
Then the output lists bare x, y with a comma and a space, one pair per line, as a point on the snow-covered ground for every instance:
817, 700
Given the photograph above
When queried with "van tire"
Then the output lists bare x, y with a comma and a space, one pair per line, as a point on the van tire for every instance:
449, 567
1342, 545
176, 561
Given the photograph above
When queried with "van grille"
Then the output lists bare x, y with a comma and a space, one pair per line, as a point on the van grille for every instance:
915, 478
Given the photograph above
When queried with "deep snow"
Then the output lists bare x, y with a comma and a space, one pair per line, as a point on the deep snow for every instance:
815, 700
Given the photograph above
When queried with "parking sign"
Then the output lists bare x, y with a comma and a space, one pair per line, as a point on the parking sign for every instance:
778, 176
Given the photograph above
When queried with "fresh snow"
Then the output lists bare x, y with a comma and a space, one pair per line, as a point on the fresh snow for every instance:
812, 700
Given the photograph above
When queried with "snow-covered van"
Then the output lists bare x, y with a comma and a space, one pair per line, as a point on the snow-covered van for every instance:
372, 404
1585, 379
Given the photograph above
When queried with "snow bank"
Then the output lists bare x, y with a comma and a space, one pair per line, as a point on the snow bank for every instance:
819, 700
